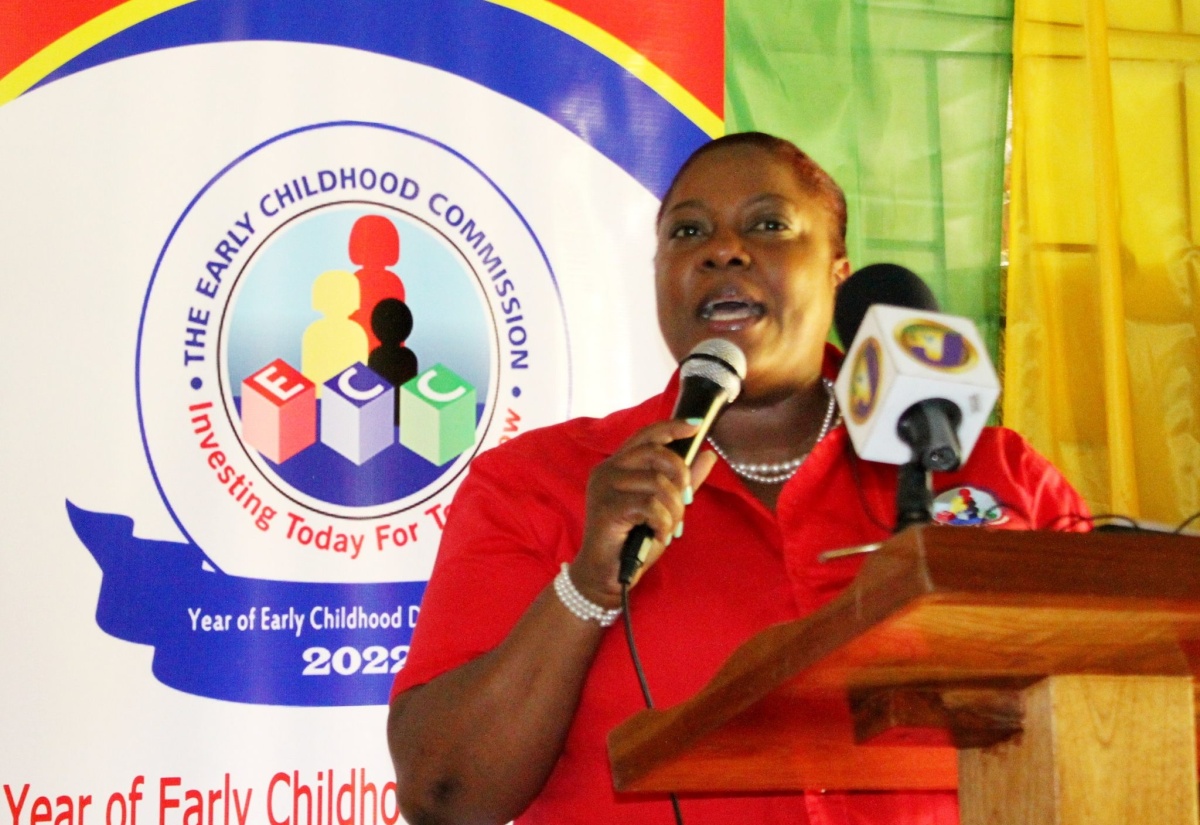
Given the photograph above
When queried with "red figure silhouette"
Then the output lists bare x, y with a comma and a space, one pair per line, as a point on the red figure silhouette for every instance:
374, 246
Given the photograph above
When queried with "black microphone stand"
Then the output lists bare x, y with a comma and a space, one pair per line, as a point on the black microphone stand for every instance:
930, 428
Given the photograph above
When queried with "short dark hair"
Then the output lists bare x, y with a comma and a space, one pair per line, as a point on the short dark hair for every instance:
808, 172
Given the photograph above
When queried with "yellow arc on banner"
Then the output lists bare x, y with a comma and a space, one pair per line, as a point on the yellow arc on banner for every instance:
79, 40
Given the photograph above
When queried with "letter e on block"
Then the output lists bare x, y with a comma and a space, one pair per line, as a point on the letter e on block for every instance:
358, 418
279, 411
437, 415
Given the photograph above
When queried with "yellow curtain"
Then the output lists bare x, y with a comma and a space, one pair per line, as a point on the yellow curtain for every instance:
1102, 358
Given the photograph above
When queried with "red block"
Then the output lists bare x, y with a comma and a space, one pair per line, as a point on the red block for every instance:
279, 411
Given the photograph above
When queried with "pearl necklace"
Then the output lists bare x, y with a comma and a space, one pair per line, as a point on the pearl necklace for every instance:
781, 471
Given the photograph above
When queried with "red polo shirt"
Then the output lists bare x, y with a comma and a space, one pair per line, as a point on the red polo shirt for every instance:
737, 569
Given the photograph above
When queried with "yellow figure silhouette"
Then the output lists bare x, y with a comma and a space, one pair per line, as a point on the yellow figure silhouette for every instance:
332, 342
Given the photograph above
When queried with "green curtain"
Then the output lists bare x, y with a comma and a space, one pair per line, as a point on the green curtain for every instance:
905, 104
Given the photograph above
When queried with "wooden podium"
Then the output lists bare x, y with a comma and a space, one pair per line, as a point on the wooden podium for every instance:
1047, 676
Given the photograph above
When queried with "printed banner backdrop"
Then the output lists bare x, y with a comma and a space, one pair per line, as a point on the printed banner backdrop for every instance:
274, 273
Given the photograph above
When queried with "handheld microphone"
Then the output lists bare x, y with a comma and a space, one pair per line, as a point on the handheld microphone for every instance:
710, 378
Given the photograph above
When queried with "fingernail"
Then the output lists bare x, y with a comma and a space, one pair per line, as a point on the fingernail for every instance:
667, 543
688, 495
679, 530
695, 422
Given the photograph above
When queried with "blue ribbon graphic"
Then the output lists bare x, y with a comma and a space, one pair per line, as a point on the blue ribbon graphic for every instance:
207, 631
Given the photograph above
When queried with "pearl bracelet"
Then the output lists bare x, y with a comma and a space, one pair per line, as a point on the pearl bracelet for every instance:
579, 604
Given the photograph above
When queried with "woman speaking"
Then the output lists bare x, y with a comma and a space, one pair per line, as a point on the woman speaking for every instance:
516, 675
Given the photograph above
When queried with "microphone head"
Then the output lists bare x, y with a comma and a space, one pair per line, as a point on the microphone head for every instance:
890, 284
718, 360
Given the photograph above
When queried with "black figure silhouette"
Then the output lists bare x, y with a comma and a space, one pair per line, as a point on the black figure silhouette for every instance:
392, 322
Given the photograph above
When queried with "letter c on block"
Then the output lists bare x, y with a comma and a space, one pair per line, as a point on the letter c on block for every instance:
347, 389
432, 394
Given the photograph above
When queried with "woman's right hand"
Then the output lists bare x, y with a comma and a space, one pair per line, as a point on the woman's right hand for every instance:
643, 482
477, 743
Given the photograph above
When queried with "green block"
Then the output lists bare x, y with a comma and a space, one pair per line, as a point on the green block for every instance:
437, 414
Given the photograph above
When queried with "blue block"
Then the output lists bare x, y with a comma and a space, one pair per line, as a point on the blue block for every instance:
358, 413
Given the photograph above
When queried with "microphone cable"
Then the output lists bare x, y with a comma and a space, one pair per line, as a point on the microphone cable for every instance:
1184, 524
1118, 522
710, 378
641, 677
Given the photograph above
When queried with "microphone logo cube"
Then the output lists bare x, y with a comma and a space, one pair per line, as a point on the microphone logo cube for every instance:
902, 356
437, 414
279, 411
358, 413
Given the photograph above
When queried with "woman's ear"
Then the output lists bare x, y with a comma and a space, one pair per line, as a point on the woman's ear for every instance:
840, 271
